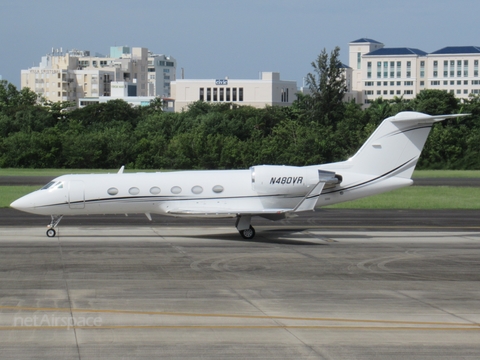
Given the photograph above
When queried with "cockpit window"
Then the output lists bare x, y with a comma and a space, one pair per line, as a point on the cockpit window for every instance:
53, 184
49, 185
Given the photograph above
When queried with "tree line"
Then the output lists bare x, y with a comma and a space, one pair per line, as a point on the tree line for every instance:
317, 128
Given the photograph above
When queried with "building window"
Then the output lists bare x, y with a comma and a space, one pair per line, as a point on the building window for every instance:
209, 94
222, 90
240, 94
227, 94
234, 94
359, 60
201, 95
215, 92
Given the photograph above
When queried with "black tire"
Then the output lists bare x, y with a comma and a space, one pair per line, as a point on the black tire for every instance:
248, 233
51, 232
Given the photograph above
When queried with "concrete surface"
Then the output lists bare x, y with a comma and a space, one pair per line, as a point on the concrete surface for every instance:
203, 292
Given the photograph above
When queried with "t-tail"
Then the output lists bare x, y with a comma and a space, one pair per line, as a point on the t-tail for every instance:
395, 146
387, 159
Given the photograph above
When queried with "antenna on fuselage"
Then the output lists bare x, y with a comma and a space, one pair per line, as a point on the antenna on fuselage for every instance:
121, 170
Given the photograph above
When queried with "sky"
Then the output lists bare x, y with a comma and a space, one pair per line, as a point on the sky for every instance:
212, 39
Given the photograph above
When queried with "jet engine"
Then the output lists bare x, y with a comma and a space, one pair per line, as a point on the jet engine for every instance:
268, 179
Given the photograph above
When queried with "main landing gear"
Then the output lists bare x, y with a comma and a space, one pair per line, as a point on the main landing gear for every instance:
53, 224
244, 228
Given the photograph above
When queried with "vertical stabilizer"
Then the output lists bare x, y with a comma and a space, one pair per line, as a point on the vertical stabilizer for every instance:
395, 146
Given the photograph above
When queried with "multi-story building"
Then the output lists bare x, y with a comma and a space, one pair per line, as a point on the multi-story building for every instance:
76, 74
404, 72
268, 90
162, 71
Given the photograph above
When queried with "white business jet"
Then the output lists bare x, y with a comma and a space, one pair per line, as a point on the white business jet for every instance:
385, 162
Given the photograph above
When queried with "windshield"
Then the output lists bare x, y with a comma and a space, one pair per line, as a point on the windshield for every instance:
53, 184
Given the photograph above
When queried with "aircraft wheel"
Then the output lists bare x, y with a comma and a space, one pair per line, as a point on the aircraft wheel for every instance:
248, 233
51, 232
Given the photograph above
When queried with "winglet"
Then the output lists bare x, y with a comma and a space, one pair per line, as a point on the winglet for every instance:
121, 170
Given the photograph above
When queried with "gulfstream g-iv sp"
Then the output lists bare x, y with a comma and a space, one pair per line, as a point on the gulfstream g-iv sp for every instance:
385, 162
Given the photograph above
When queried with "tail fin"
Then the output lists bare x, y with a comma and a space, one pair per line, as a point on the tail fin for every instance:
395, 146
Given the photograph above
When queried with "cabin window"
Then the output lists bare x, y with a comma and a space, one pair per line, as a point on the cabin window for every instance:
217, 189
176, 190
197, 189
112, 191
155, 190
134, 191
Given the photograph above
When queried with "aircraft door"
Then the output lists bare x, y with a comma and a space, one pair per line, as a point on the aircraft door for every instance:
76, 194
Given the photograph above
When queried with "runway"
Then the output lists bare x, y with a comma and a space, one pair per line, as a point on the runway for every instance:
173, 291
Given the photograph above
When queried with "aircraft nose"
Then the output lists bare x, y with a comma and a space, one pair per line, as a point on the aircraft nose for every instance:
22, 204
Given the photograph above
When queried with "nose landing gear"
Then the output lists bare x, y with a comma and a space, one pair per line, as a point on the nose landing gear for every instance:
53, 224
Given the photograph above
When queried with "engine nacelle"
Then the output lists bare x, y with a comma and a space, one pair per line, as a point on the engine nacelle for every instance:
268, 179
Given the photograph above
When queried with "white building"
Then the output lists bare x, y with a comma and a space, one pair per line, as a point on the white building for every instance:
162, 71
268, 90
76, 74
404, 72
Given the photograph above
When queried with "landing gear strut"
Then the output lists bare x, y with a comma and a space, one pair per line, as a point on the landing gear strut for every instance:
53, 224
244, 228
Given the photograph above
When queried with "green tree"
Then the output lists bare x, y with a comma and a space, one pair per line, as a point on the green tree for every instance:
327, 86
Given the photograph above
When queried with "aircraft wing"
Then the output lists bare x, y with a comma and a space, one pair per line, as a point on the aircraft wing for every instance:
306, 204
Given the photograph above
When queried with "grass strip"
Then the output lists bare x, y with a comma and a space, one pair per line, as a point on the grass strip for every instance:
419, 197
